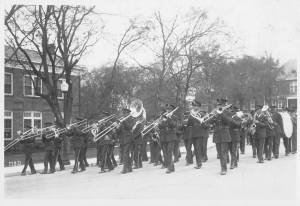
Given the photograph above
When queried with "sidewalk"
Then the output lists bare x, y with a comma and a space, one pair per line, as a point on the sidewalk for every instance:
16, 170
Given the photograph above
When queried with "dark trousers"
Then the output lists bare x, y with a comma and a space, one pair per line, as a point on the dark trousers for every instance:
223, 152
269, 147
28, 161
49, 159
168, 148
121, 151
203, 146
105, 157
243, 142
197, 143
83, 151
233, 149
276, 145
151, 147
189, 154
287, 145
253, 145
57, 158
294, 142
157, 153
98, 153
137, 155
112, 154
260, 148
144, 152
78, 158
127, 159
176, 151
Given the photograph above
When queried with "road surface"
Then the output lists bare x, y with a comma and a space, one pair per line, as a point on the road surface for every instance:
274, 180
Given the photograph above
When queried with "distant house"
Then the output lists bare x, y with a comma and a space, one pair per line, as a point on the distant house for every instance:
286, 89
22, 106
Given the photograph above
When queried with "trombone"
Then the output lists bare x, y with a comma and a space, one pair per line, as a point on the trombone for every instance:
63, 130
31, 133
101, 121
136, 109
156, 122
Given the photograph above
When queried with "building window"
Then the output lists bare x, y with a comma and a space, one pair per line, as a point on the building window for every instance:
280, 103
273, 102
8, 125
293, 87
8, 89
29, 87
32, 119
252, 104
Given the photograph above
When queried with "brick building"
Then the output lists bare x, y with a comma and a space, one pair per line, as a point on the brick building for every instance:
22, 106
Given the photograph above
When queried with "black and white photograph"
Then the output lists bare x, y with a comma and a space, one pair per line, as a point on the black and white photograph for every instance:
141, 100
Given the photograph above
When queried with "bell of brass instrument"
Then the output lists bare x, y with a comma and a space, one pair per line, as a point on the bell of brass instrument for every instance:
136, 108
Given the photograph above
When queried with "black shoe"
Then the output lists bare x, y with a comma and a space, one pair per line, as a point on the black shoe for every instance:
102, 170
23, 173
62, 168
74, 171
223, 172
197, 167
44, 172
254, 156
168, 171
87, 165
123, 172
33, 172
231, 166
52, 171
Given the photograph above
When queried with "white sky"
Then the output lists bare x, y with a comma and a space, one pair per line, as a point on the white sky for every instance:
258, 25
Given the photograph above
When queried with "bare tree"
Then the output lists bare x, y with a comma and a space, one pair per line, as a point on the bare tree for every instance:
58, 36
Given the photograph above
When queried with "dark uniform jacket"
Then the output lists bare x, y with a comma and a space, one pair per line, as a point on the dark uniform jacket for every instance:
196, 129
48, 142
278, 123
124, 132
58, 140
221, 128
235, 129
76, 137
261, 131
137, 136
28, 144
168, 130
109, 138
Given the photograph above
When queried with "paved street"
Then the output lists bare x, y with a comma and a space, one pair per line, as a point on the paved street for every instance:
272, 180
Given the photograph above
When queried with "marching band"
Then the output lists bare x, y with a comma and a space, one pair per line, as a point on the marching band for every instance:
231, 129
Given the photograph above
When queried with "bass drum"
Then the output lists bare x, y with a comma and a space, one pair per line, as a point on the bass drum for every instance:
287, 124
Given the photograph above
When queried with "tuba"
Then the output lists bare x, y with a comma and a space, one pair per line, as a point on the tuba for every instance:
136, 111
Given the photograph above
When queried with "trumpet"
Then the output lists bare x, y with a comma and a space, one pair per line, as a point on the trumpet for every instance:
136, 109
31, 133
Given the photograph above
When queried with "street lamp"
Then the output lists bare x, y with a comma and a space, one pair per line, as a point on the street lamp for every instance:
65, 88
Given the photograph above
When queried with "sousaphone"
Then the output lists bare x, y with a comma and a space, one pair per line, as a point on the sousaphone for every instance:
287, 124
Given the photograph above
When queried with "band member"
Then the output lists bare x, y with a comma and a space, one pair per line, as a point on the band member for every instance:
286, 141
293, 114
278, 131
199, 134
187, 139
167, 130
221, 134
270, 131
57, 150
126, 140
137, 147
84, 148
251, 136
105, 147
28, 147
77, 142
235, 134
49, 151
260, 133
155, 139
